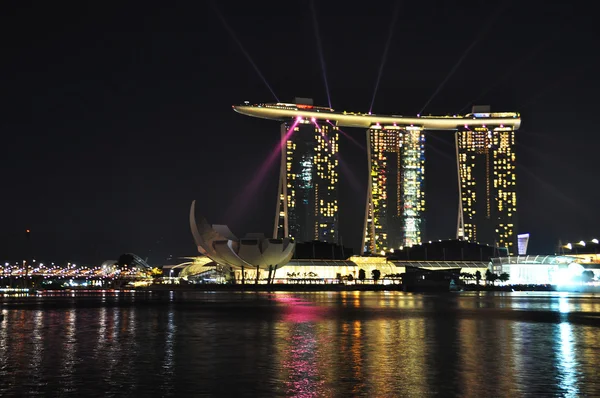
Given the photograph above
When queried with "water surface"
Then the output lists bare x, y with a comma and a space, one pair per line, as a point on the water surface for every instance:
301, 344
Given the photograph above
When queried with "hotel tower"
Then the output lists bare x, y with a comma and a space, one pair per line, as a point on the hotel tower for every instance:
395, 191
487, 183
307, 204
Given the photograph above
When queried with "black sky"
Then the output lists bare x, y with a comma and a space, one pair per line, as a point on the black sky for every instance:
115, 115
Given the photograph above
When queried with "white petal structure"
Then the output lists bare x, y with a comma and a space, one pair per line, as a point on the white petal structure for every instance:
254, 250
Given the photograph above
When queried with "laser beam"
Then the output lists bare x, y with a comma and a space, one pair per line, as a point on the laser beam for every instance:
385, 51
486, 27
514, 67
320, 49
352, 180
237, 208
239, 43
350, 138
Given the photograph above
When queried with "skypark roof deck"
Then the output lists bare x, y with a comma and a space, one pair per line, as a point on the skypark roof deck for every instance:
284, 111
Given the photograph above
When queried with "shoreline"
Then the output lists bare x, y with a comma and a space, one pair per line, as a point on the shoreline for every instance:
302, 288
337, 288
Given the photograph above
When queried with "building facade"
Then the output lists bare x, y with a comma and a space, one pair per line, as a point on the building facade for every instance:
395, 197
487, 185
394, 214
307, 204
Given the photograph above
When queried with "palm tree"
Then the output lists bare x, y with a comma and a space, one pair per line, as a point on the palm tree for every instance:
504, 277
490, 277
478, 276
375, 274
361, 275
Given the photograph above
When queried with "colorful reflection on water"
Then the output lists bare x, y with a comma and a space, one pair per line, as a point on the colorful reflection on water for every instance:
305, 345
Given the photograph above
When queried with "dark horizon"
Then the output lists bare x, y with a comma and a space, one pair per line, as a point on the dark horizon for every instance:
117, 116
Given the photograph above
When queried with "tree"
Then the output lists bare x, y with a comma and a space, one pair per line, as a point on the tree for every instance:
504, 277
490, 276
376, 274
478, 276
361, 275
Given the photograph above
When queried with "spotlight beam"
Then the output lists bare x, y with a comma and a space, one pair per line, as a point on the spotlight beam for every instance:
385, 51
352, 180
486, 28
449, 75
514, 67
236, 209
349, 137
579, 207
237, 41
442, 153
320, 49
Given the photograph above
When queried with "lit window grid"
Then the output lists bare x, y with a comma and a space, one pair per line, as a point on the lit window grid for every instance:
409, 147
412, 182
319, 173
501, 185
381, 143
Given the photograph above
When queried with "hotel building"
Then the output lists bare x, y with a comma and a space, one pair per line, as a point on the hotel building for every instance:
307, 205
307, 201
395, 196
487, 184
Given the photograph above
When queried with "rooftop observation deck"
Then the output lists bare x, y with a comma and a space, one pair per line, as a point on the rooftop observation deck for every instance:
284, 111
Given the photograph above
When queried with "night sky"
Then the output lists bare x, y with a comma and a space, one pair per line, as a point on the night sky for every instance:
115, 117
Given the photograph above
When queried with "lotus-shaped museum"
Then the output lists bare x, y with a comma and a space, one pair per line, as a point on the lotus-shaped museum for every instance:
254, 250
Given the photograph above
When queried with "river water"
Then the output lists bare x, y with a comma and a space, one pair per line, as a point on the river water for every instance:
376, 344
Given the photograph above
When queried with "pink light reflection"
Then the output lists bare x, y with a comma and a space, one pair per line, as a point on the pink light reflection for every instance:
298, 311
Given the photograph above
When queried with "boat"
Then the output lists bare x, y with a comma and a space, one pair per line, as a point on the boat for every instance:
424, 280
